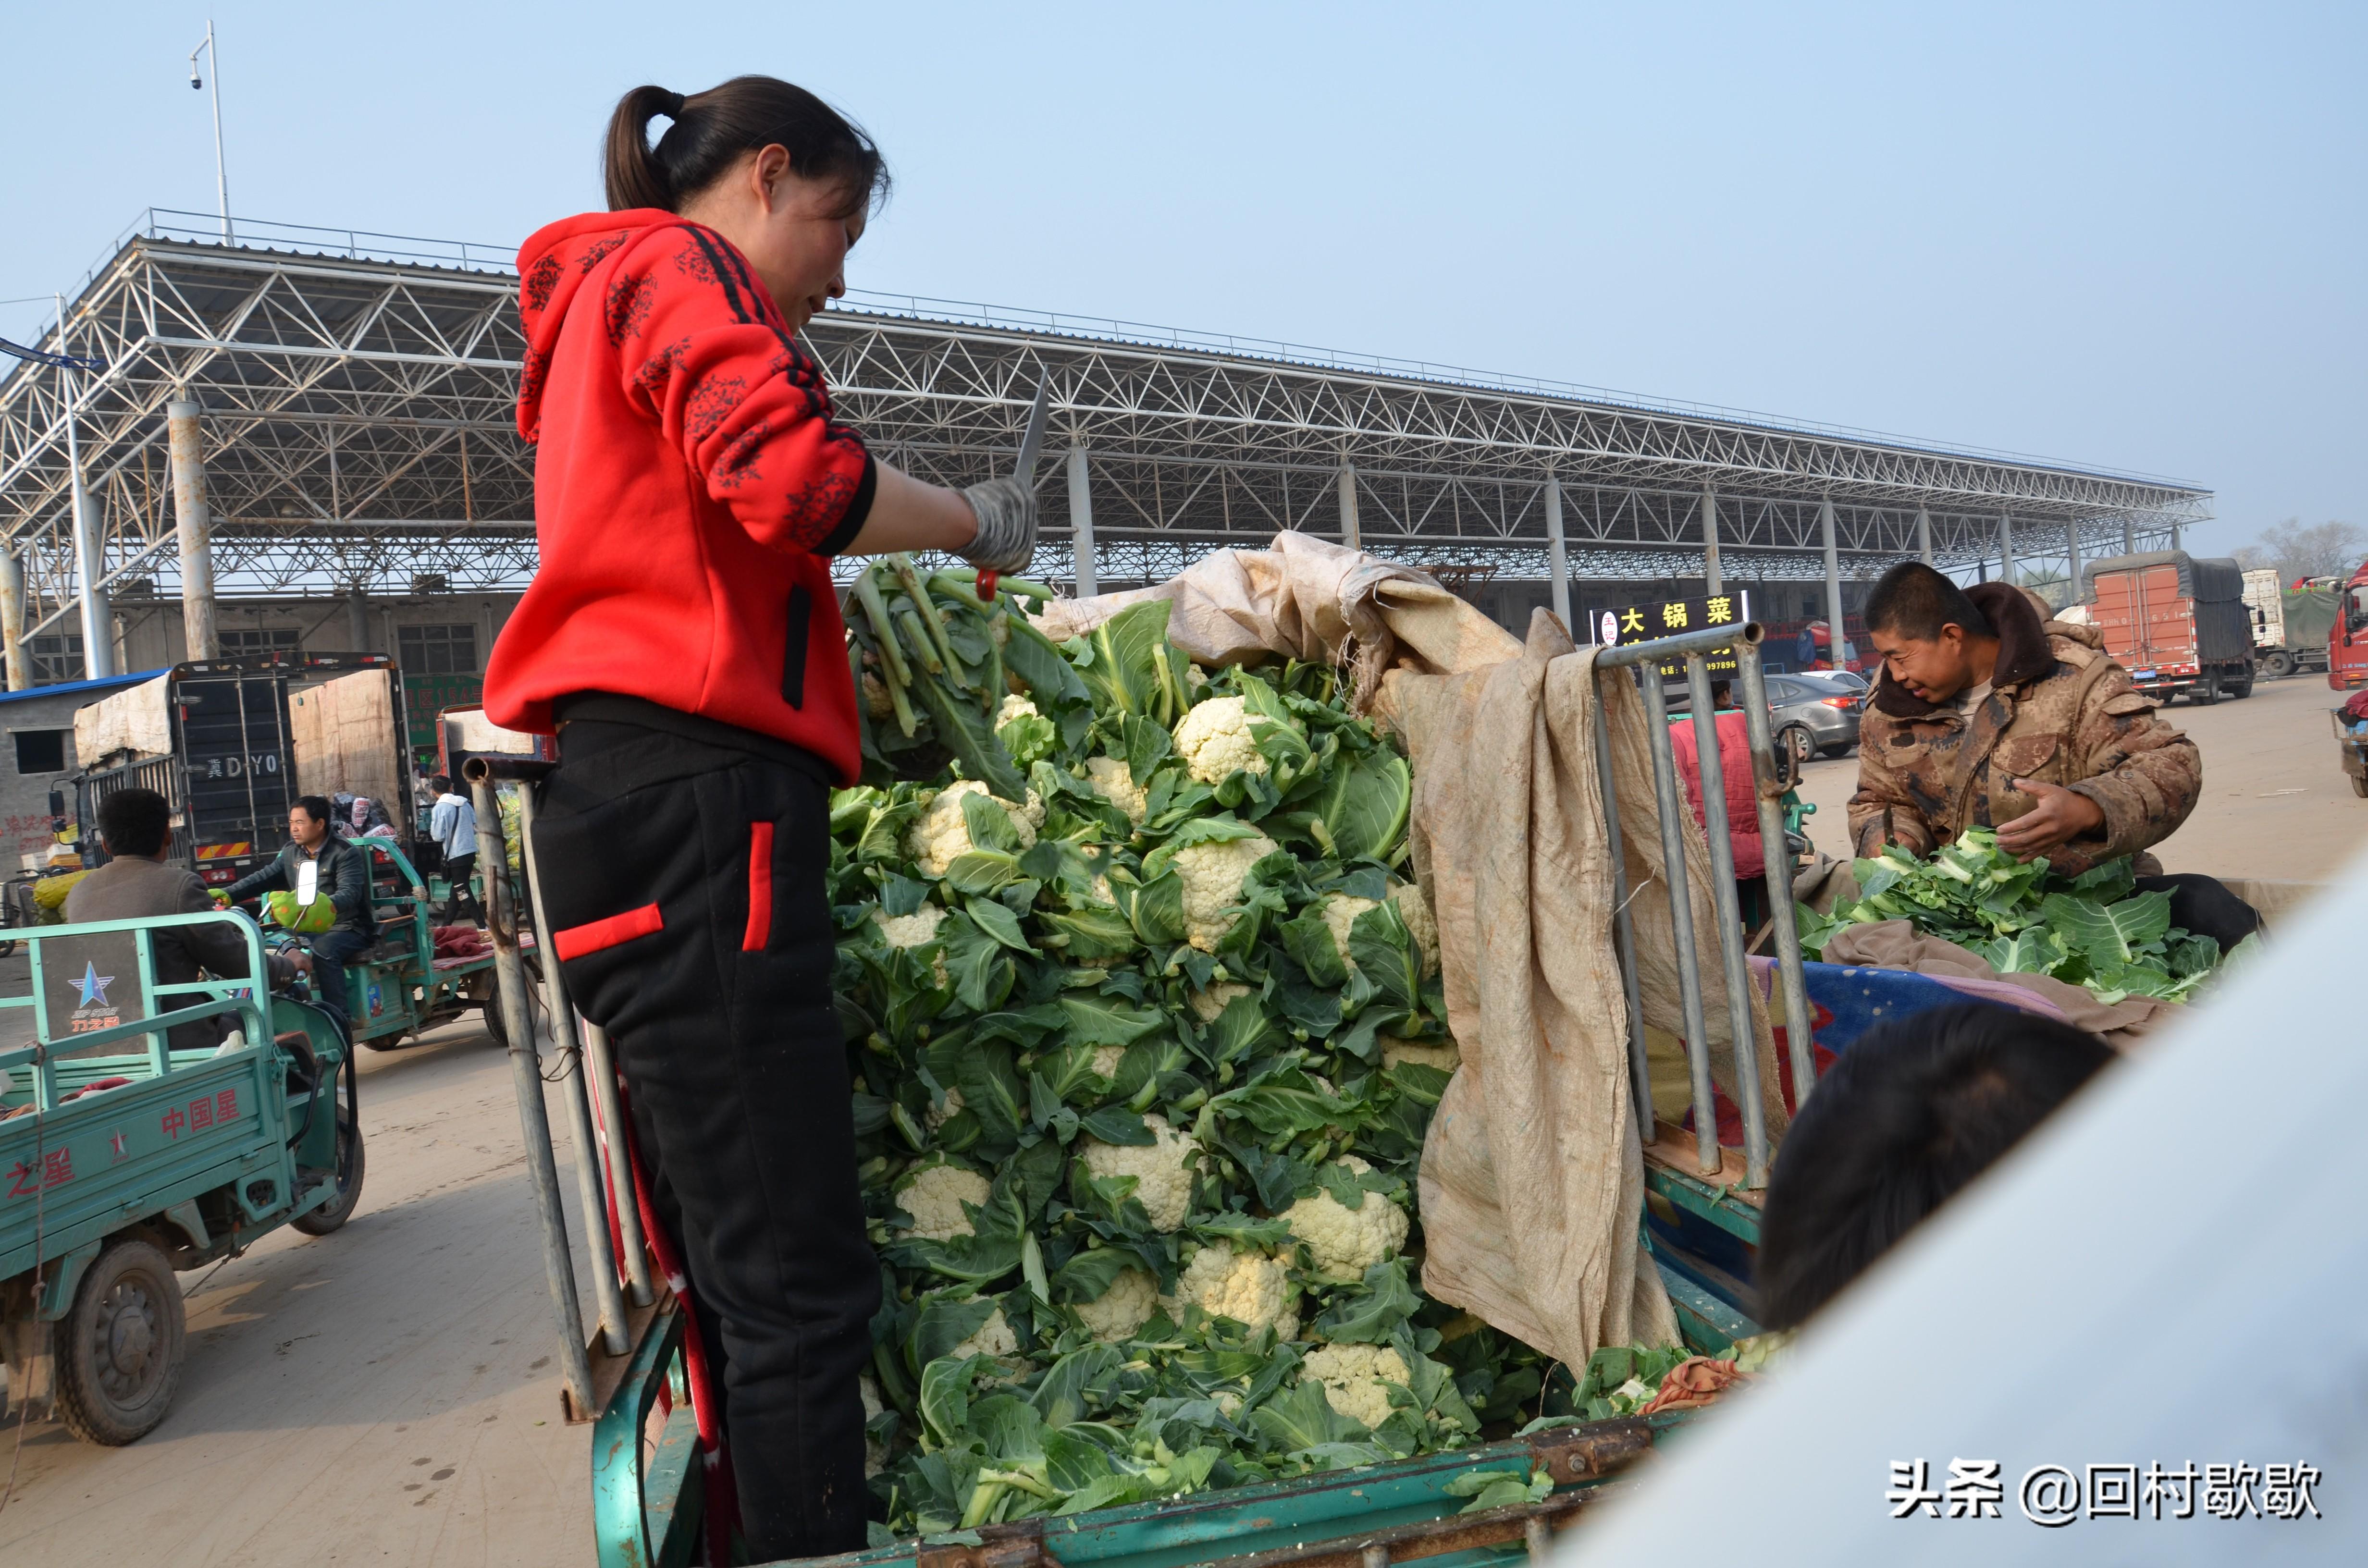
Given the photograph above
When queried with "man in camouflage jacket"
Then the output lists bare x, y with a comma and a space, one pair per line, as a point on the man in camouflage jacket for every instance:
2023, 723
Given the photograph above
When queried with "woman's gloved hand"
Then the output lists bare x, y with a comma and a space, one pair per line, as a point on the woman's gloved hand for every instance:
1006, 526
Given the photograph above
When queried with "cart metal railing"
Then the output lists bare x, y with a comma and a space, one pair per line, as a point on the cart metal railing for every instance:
1693, 649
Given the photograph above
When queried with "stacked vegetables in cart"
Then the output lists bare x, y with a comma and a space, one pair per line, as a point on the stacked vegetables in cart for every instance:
1147, 1029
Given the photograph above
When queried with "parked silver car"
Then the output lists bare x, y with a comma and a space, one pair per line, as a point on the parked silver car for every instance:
1812, 717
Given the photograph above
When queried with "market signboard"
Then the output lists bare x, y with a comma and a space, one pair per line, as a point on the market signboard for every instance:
424, 697
1672, 618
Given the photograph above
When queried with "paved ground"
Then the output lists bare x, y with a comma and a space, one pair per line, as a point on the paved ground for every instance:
2276, 803
383, 1395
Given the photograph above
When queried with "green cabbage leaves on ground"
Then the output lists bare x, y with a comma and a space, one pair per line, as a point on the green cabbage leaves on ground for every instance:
1146, 1026
2094, 929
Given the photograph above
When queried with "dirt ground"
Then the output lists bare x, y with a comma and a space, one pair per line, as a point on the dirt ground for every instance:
385, 1394
2276, 803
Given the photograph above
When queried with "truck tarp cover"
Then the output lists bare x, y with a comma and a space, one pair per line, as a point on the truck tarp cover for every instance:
2215, 586
132, 724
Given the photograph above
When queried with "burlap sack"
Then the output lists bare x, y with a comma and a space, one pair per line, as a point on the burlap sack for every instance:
1895, 943
1531, 1186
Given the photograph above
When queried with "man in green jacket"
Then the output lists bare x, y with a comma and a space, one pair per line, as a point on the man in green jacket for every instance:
317, 864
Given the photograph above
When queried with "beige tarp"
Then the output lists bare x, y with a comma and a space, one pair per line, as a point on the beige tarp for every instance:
1533, 1179
345, 737
136, 722
1895, 943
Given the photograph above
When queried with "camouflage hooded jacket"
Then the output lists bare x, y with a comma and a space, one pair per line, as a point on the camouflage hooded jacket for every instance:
2060, 711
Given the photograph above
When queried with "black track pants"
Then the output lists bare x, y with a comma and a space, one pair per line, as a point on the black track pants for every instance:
684, 886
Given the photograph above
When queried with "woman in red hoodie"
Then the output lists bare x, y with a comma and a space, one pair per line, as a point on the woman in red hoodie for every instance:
683, 640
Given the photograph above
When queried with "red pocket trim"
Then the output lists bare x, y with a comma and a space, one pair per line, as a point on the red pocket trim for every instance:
594, 936
760, 887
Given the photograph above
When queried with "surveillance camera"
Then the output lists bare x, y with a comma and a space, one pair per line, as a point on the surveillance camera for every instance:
195, 84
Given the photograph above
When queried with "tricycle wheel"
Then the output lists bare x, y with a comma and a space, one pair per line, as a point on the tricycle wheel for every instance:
535, 1014
338, 1210
2359, 785
120, 1349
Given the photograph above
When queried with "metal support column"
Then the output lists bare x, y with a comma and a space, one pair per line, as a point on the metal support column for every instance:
526, 1079
599, 1256
2006, 547
193, 522
1560, 556
2174, 538
2129, 535
1837, 644
12, 620
1081, 525
90, 566
1924, 535
2079, 590
1712, 584
1348, 532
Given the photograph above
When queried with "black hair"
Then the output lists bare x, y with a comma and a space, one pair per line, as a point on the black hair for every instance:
1913, 600
134, 822
441, 784
1721, 693
1916, 1108
713, 128
316, 806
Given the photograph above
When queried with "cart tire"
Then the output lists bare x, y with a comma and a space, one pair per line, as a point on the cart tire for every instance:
337, 1211
119, 1352
2359, 785
535, 1012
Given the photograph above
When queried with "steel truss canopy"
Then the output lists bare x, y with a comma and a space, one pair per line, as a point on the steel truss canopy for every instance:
359, 390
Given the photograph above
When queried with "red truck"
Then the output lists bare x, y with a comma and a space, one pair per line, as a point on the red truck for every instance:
2346, 640
2177, 624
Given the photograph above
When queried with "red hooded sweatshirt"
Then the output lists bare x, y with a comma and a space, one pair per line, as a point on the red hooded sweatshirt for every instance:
690, 486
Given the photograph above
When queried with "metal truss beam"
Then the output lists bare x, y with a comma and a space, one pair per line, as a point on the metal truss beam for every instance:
359, 428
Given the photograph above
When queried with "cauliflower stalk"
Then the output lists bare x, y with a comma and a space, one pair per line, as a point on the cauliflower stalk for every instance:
1247, 1287
941, 834
1341, 1242
1162, 1170
1212, 874
1356, 1379
933, 1196
1215, 742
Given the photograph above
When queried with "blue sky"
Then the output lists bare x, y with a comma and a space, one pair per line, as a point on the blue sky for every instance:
2128, 235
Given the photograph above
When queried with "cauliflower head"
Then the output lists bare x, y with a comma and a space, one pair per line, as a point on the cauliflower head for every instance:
918, 929
1343, 1243
1015, 707
1248, 1286
933, 1196
1212, 874
1207, 1005
1215, 740
936, 1115
1114, 783
939, 834
1356, 1379
1445, 1055
1340, 912
1106, 1060
1125, 1307
1162, 1170
995, 1337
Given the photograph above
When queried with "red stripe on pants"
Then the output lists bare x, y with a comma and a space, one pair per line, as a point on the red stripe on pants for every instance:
760, 887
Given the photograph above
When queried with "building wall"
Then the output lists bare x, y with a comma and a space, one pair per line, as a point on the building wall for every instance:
150, 632
29, 724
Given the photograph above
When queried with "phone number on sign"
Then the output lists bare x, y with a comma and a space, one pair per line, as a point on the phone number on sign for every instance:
2055, 1494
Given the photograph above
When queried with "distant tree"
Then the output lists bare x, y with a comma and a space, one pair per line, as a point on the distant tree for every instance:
2252, 557
2329, 550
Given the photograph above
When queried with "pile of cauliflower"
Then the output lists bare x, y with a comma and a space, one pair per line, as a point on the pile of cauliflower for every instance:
1143, 1059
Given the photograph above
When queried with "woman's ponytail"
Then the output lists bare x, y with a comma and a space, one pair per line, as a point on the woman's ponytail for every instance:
633, 174
711, 130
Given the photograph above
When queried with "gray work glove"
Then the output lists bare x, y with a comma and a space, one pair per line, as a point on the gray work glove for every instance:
1006, 526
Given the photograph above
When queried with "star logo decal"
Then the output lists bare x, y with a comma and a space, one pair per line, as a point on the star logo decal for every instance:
92, 985
115, 1140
